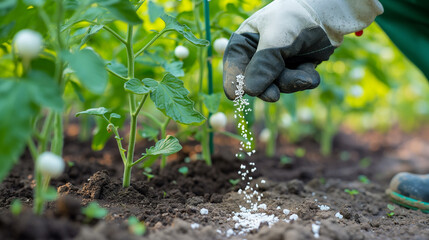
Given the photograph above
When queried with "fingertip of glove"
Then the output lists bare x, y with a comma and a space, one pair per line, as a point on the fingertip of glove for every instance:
271, 94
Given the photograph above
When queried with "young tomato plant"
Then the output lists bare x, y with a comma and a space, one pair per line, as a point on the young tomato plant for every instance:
169, 95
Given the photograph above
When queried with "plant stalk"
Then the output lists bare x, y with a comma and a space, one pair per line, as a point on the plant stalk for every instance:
132, 107
164, 135
209, 64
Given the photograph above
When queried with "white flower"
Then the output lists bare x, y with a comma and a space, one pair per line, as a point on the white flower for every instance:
265, 135
305, 114
220, 45
286, 120
50, 164
356, 91
181, 52
218, 121
28, 43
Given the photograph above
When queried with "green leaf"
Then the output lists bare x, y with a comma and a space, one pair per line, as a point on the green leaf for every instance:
6, 6
93, 29
20, 100
136, 86
45, 90
155, 11
171, 24
149, 132
38, 3
89, 68
136, 227
94, 111
165, 147
183, 170
45, 65
118, 68
212, 101
94, 211
50, 194
115, 115
123, 10
16, 207
175, 68
171, 97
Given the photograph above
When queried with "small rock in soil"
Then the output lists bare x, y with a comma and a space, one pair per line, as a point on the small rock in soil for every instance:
295, 186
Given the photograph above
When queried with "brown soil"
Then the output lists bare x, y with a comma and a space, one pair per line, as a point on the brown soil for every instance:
170, 202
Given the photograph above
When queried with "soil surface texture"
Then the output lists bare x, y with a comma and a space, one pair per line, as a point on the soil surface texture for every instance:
304, 196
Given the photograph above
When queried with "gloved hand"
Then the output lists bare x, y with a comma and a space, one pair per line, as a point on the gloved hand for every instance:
278, 47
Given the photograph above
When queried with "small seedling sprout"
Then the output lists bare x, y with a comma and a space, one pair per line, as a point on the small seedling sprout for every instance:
285, 160
363, 179
184, 170
234, 181
391, 208
352, 192
345, 156
94, 211
136, 227
365, 162
147, 172
16, 207
300, 152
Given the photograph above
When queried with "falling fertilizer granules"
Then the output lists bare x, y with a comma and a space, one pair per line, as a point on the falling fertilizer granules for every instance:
249, 218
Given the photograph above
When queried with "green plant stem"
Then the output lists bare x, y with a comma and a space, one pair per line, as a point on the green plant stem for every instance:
38, 202
46, 130
116, 75
209, 62
164, 135
138, 160
115, 34
58, 141
132, 107
150, 43
327, 133
271, 125
119, 142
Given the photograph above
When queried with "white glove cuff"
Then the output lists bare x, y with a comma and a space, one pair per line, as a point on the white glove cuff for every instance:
341, 17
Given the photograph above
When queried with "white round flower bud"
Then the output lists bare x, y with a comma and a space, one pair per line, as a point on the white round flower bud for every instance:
265, 135
181, 52
305, 114
218, 121
50, 164
28, 43
220, 45
356, 91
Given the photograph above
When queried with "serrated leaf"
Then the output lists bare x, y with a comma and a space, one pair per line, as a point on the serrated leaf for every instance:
122, 9
171, 24
89, 68
118, 68
212, 101
175, 68
136, 86
171, 97
155, 11
165, 147
94, 111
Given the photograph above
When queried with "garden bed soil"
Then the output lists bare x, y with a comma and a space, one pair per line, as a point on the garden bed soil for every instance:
170, 202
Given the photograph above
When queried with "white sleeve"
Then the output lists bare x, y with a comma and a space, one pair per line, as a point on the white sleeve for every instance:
341, 17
